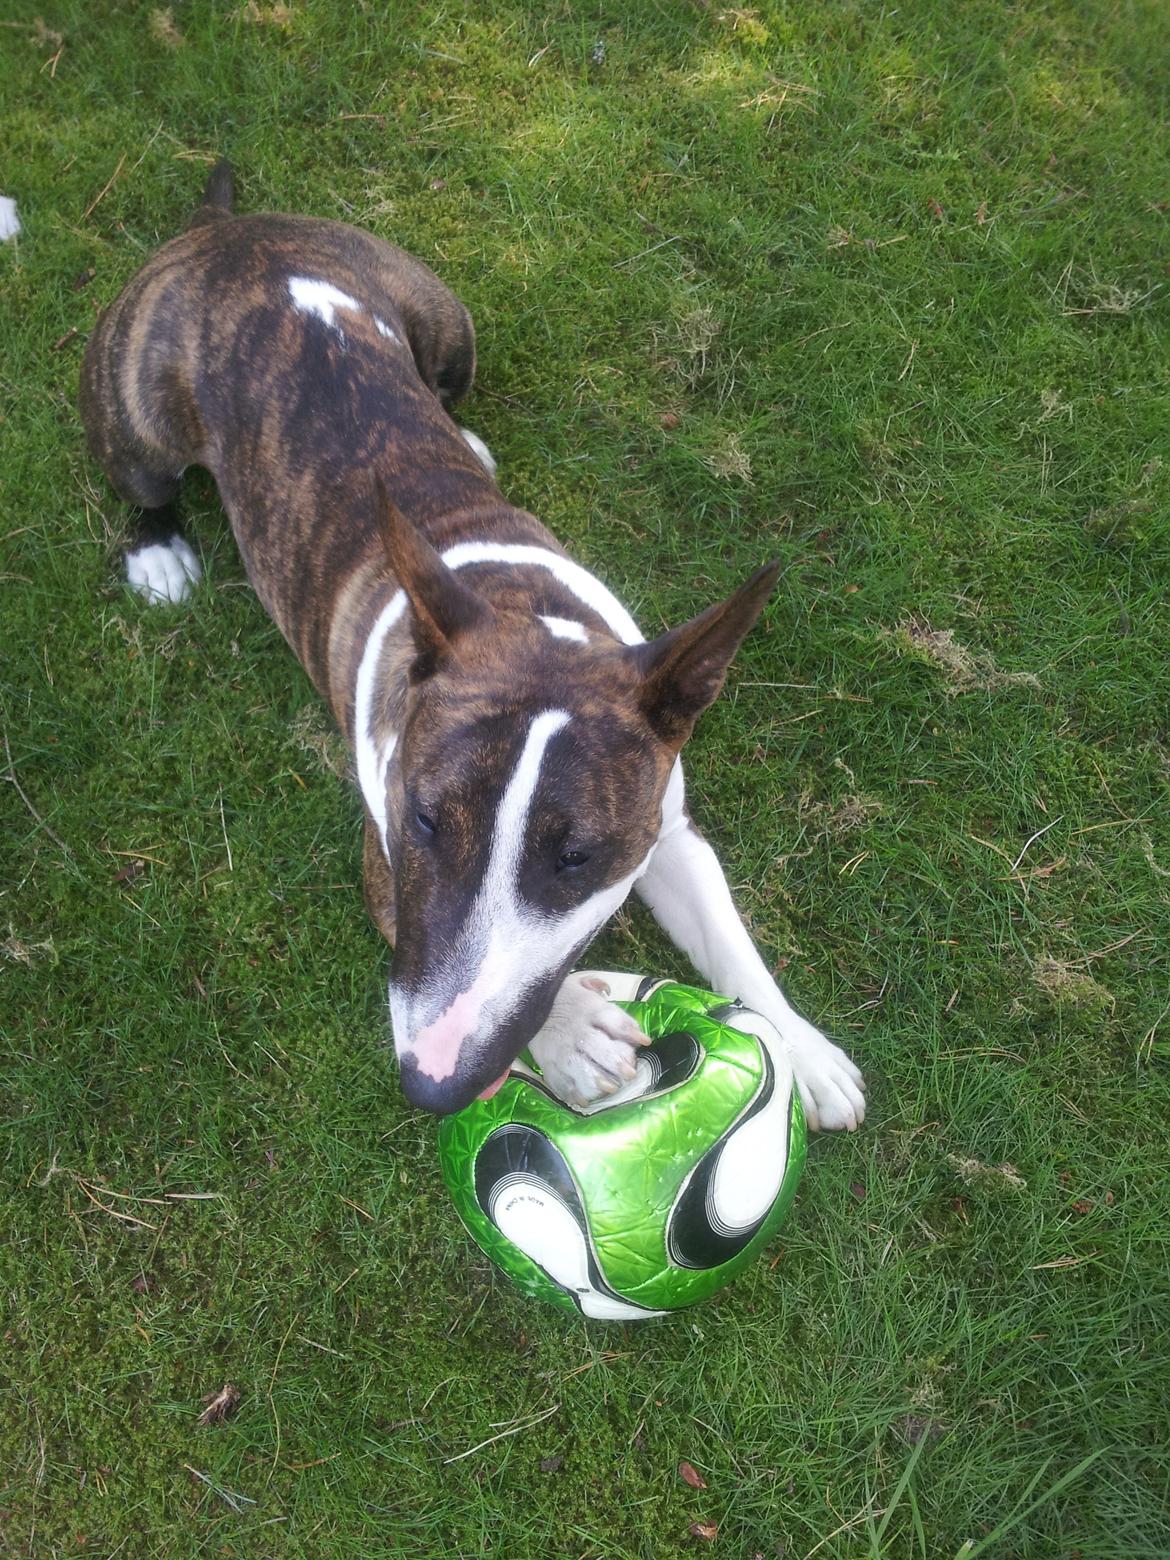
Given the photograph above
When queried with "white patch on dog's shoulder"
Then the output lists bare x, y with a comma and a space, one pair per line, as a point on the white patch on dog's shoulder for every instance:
163, 571
565, 628
481, 449
388, 331
312, 296
585, 586
9, 221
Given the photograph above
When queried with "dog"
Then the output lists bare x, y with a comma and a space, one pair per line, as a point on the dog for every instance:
515, 738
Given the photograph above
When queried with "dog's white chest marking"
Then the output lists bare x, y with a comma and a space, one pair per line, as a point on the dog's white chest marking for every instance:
311, 295
373, 761
9, 221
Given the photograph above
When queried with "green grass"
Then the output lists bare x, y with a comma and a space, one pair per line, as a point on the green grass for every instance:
879, 291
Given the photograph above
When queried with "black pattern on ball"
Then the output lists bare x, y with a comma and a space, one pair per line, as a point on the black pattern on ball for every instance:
695, 1235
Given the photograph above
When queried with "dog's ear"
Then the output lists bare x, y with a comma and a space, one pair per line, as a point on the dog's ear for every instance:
682, 671
443, 609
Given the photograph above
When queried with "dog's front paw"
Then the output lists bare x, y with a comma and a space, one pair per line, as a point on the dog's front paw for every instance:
587, 1046
832, 1089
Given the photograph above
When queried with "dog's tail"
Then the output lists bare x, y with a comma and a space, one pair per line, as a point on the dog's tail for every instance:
218, 194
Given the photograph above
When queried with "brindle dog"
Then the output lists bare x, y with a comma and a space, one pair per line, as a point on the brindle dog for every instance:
515, 739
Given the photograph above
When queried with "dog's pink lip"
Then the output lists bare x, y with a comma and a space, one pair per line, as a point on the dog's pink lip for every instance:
493, 1088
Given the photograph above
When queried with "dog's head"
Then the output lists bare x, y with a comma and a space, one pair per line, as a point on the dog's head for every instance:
524, 799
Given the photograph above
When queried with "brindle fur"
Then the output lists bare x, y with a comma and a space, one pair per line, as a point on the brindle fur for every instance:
204, 360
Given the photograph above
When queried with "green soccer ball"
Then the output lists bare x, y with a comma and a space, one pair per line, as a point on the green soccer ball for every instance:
652, 1198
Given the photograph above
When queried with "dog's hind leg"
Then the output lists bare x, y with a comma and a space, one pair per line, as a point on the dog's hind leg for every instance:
687, 892
143, 470
160, 564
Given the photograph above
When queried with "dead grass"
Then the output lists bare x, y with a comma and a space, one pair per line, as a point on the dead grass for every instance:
730, 461
963, 670
310, 732
973, 1172
164, 29
1068, 983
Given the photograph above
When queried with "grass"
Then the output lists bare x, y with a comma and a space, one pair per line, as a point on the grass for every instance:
879, 291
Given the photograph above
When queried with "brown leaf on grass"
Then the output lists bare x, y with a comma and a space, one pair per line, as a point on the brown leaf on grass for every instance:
689, 1474
221, 1405
706, 1530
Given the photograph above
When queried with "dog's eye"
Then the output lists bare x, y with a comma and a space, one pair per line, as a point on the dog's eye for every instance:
570, 859
425, 825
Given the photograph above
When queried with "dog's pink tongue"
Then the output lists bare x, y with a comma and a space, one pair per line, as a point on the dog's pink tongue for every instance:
494, 1088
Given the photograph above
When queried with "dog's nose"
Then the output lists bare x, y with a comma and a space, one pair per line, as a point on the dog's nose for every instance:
441, 1099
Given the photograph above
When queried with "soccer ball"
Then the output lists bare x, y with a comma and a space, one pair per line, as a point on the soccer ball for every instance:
651, 1198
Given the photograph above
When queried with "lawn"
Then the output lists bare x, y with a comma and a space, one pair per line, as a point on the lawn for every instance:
879, 291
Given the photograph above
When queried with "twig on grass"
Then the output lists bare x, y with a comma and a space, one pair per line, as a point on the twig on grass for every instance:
527, 1424
226, 841
125, 1218
106, 188
23, 794
230, 1498
1033, 840
271, 1399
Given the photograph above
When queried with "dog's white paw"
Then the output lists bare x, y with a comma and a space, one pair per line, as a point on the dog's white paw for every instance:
587, 1046
832, 1089
163, 571
9, 221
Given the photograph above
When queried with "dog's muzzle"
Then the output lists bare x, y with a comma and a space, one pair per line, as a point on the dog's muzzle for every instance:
453, 1059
